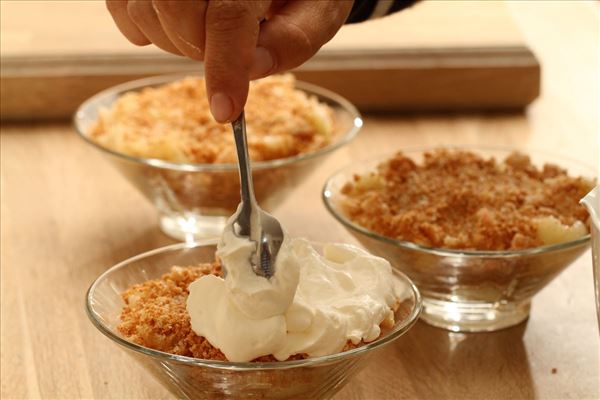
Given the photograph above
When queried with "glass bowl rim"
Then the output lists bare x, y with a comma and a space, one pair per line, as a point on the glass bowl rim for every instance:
326, 196
397, 331
346, 137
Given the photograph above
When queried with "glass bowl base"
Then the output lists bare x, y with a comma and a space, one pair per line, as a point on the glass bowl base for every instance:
473, 317
190, 227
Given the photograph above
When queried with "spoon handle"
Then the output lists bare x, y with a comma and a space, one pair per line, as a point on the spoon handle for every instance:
247, 191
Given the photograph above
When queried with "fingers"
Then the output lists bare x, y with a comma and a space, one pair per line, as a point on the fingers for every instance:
296, 32
118, 11
143, 15
183, 23
231, 33
226, 34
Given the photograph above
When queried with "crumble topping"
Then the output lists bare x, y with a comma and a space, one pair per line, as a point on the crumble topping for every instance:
155, 314
173, 122
460, 200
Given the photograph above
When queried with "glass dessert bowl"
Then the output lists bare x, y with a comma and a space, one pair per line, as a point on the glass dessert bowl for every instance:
465, 290
592, 202
194, 199
194, 378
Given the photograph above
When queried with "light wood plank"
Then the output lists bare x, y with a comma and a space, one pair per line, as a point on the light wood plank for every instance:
83, 222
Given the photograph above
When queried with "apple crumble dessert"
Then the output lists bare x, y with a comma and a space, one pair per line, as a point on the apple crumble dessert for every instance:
313, 306
459, 200
155, 316
173, 123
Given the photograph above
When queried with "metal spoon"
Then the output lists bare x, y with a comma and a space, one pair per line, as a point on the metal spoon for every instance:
250, 220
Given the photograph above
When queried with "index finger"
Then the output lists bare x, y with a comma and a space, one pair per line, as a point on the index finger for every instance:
231, 34
118, 11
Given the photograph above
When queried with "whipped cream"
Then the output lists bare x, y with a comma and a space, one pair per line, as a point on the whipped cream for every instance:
313, 303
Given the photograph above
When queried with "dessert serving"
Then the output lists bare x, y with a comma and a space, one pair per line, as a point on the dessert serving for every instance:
315, 305
153, 324
161, 136
480, 231
461, 200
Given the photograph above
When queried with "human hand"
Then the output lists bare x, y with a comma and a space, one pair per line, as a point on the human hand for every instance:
237, 40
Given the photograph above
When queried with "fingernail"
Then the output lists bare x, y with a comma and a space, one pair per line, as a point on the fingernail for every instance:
262, 62
221, 107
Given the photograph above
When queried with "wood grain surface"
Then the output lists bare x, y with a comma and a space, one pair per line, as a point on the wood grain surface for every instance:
66, 216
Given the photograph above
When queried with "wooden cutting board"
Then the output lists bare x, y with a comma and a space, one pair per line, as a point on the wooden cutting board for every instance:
437, 55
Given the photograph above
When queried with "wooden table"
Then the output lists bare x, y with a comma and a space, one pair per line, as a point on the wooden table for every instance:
67, 216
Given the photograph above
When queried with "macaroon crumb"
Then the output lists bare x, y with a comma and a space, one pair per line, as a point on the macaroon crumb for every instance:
173, 122
460, 200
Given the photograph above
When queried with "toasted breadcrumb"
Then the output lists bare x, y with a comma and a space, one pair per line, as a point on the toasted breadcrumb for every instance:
460, 200
173, 122
155, 316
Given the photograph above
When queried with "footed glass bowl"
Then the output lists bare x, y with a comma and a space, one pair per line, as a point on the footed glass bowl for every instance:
195, 200
592, 202
192, 378
467, 291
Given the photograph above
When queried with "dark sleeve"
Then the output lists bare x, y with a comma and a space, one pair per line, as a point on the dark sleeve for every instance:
363, 10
